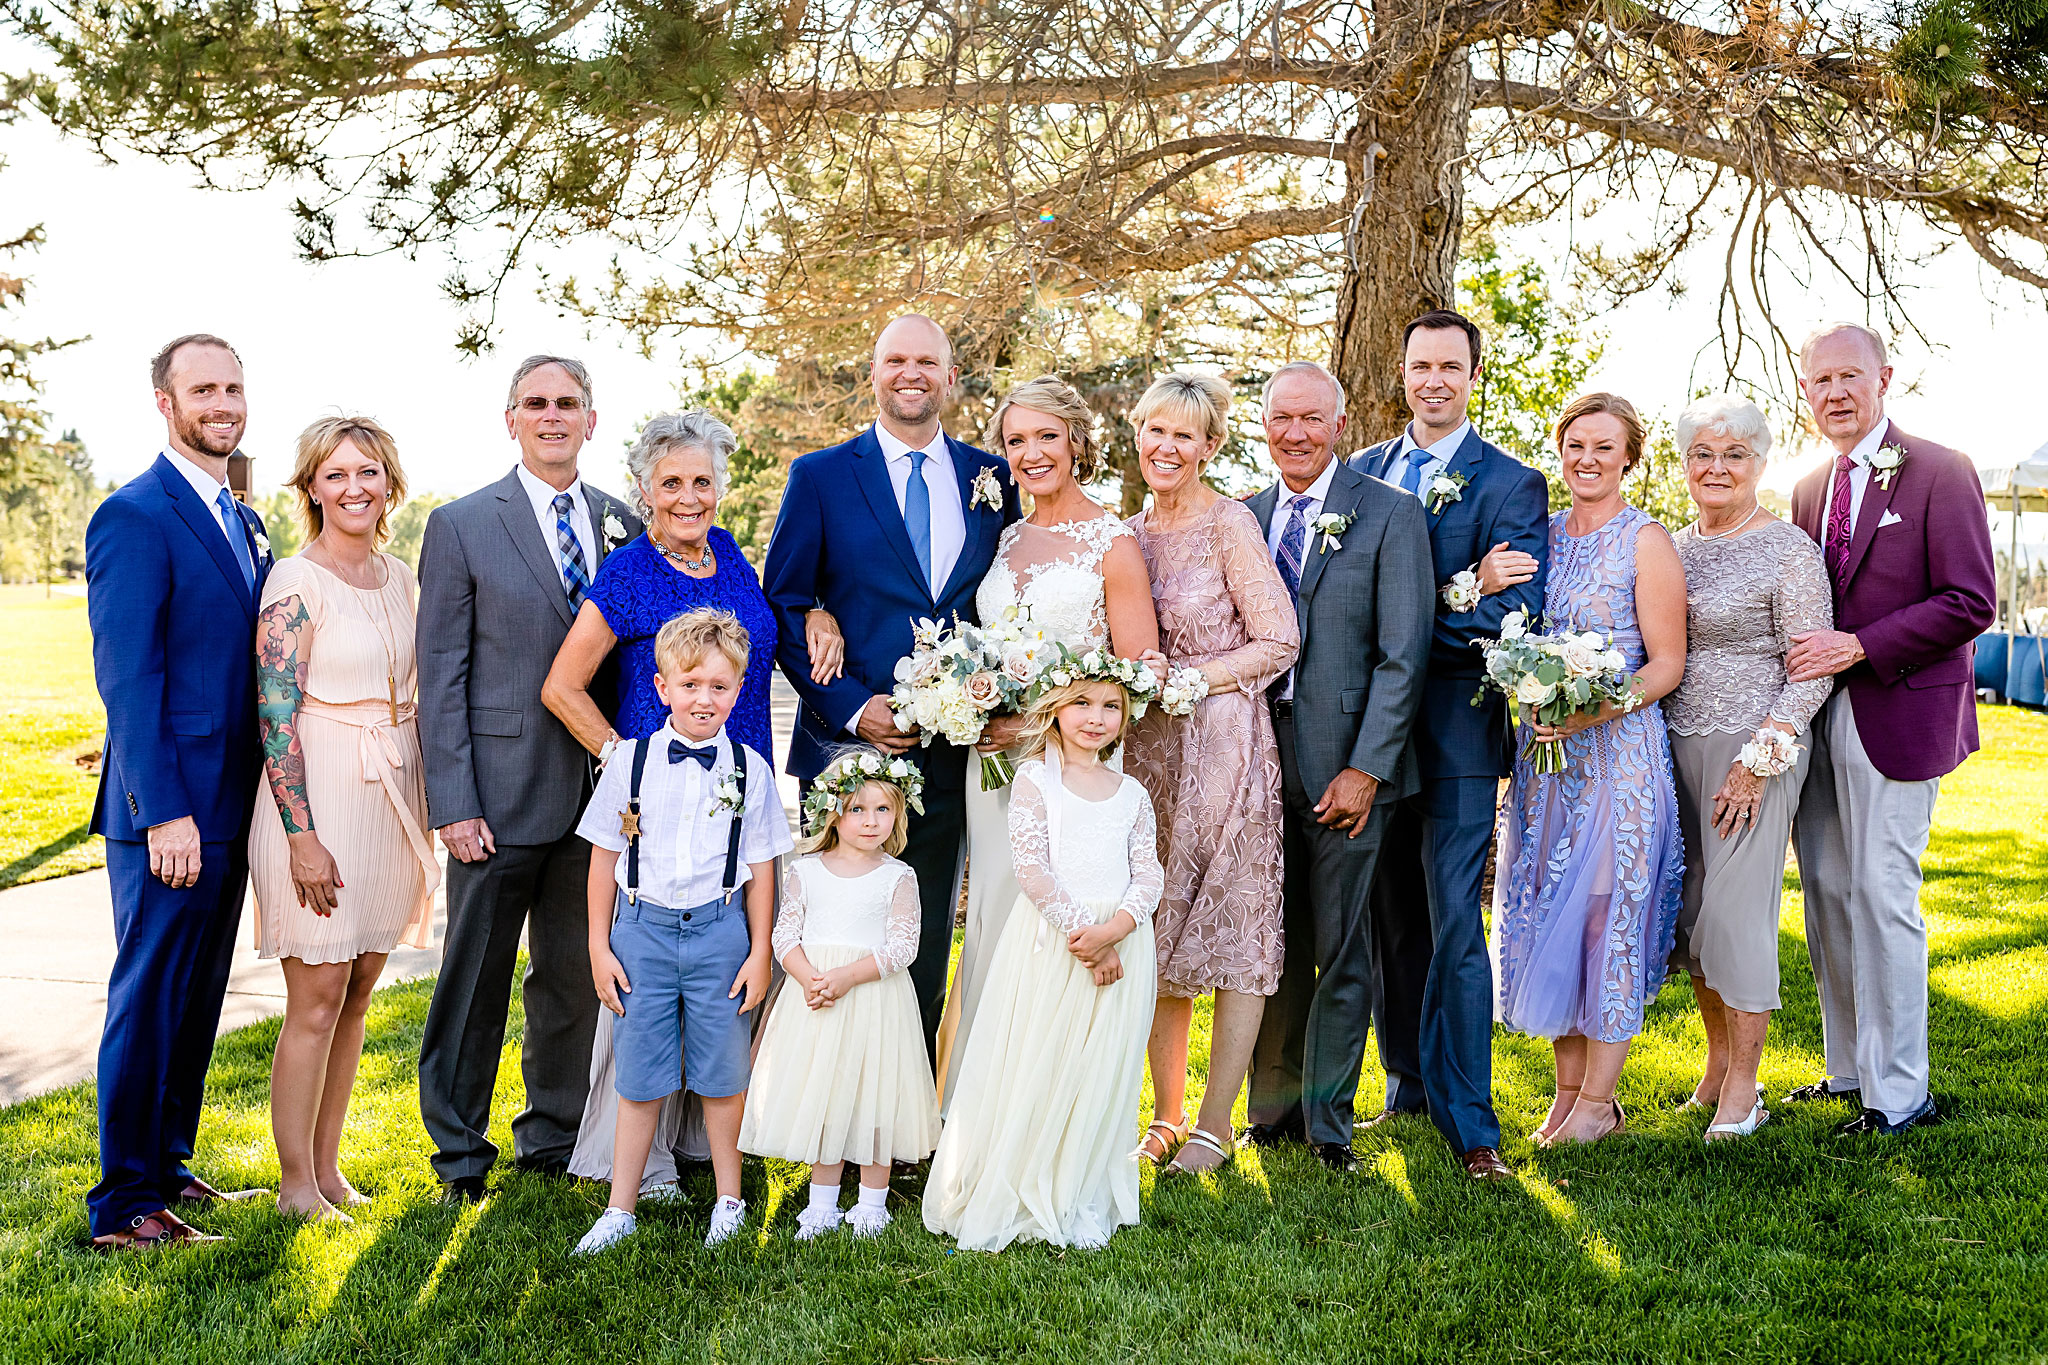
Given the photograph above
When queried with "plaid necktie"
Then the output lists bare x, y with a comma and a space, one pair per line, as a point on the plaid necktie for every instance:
1293, 540
1839, 533
575, 577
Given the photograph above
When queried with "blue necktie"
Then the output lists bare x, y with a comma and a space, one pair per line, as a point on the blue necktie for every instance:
238, 537
1293, 540
570, 551
917, 516
1411, 477
678, 751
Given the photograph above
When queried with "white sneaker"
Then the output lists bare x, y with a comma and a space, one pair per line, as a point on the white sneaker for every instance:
725, 1220
864, 1220
668, 1192
612, 1226
817, 1222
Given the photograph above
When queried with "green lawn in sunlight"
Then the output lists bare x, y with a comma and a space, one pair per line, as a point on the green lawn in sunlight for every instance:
50, 717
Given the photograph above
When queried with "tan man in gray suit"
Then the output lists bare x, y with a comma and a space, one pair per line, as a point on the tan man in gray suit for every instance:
1356, 552
502, 574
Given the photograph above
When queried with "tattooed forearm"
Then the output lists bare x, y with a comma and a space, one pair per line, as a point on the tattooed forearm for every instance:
281, 637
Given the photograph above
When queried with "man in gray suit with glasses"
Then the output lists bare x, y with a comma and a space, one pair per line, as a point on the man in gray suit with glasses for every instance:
503, 573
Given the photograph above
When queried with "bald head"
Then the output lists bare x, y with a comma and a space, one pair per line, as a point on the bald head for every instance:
1835, 337
914, 332
913, 376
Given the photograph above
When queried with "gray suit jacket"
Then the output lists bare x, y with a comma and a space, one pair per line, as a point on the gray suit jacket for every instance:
1366, 611
492, 615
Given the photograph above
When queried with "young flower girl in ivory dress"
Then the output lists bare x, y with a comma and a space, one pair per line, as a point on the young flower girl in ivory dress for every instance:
1045, 1097
842, 1073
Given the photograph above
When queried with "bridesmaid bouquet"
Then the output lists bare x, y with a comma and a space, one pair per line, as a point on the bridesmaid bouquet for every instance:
957, 676
1556, 676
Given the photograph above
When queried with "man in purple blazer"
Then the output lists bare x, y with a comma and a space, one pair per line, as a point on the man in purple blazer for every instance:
1901, 525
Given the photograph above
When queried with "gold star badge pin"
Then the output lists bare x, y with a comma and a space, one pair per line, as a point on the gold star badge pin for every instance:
629, 824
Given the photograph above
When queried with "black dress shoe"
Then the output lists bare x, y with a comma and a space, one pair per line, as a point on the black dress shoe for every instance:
463, 1189
542, 1165
1271, 1135
1819, 1091
1337, 1156
1873, 1123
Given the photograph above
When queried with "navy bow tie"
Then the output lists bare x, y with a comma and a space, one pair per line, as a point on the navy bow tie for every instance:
678, 751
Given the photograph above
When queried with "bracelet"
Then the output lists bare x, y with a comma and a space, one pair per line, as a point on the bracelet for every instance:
604, 753
1769, 753
1462, 593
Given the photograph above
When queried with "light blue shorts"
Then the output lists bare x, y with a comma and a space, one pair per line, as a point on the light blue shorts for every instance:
679, 1021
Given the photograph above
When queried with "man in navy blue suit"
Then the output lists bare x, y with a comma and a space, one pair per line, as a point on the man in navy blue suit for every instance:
1433, 988
174, 566
898, 523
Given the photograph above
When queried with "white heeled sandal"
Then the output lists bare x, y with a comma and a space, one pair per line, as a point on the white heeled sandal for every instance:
1758, 1117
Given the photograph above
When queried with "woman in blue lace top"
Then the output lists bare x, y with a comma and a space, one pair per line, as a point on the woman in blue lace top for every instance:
1590, 863
678, 467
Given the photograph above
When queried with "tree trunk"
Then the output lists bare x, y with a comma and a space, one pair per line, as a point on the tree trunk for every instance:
1403, 252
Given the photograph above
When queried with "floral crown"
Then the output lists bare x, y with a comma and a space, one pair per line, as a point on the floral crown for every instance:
831, 789
1065, 668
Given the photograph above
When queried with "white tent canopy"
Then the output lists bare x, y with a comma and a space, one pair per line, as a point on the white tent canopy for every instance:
2021, 488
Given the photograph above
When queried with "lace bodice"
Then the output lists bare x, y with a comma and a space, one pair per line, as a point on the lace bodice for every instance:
1057, 572
1073, 853
1218, 596
878, 911
1746, 596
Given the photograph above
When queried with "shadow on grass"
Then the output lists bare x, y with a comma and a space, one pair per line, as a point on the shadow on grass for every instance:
27, 863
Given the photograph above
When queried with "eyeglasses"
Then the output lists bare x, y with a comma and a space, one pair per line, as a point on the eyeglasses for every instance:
1730, 459
536, 403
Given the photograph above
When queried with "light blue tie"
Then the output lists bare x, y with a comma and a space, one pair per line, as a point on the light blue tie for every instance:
1411, 477
917, 516
238, 537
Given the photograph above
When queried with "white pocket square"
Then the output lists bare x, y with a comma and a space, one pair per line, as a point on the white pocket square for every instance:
1890, 518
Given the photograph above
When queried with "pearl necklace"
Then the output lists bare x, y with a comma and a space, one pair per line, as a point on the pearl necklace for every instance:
1723, 535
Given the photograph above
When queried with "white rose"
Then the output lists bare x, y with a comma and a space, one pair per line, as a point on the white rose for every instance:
1061, 678
1533, 691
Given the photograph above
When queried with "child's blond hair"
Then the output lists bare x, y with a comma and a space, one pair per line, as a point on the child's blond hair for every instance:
1041, 718
685, 641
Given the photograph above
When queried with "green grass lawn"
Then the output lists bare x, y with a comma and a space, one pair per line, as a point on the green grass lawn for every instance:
50, 715
1790, 1246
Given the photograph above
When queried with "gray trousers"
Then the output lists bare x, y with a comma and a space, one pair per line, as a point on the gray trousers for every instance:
543, 889
1311, 1041
1860, 837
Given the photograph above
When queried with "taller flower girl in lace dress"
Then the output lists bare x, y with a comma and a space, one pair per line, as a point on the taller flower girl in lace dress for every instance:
1044, 1098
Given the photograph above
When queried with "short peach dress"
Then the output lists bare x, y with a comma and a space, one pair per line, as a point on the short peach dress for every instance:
364, 781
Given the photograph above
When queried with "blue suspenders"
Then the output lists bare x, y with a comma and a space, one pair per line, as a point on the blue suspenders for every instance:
631, 822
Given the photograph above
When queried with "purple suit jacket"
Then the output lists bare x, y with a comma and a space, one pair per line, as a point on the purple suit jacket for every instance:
1919, 591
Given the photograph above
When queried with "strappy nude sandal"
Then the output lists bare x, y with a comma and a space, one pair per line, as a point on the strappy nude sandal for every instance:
1174, 1135
1620, 1124
1208, 1142
1540, 1135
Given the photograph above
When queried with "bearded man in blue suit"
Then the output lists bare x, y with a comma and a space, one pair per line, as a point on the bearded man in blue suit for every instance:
1433, 988
174, 567
899, 523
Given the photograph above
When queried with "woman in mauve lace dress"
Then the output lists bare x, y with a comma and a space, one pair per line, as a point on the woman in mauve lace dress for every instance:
1214, 776
1752, 582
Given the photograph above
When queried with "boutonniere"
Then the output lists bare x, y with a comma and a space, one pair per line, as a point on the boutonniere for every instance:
262, 545
1885, 462
1330, 525
726, 798
986, 491
1462, 593
1445, 489
614, 530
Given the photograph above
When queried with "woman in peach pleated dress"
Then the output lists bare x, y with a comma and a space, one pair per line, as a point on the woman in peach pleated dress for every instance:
343, 867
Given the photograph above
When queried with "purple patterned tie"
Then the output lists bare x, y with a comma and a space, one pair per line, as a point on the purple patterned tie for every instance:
1293, 540
1836, 545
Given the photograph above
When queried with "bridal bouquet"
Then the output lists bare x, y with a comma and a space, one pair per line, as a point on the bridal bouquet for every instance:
1556, 675
957, 676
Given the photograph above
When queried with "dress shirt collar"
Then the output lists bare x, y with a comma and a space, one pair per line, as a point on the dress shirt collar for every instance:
204, 484
1872, 439
895, 447
542, 494
1318, 492
1440, 449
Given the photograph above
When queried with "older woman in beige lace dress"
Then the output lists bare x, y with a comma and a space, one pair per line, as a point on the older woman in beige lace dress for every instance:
1215, 776
1752, 582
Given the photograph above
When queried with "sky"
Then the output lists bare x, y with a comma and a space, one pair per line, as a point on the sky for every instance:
137, 253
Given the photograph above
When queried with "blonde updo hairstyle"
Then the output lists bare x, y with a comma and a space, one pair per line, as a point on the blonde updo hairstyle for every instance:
1615, 406
1052, 396
1041, 718
1199, 401
317, 444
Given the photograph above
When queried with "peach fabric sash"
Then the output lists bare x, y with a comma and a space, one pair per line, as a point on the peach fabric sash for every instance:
382, 761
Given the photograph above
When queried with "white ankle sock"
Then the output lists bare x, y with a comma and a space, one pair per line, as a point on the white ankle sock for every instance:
824, 1196
876, 1198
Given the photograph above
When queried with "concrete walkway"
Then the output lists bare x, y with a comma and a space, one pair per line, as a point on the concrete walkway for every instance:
59, 938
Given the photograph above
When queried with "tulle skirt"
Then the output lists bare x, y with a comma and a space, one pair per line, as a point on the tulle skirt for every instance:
847, 1083
1043, 1103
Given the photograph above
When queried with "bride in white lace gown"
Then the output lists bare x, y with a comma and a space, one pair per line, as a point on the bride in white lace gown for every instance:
1079, 570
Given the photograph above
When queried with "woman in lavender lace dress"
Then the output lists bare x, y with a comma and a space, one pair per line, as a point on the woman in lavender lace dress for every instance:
1590, 865
1215, 776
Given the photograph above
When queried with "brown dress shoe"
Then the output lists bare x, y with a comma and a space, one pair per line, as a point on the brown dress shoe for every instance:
1484, 1163
199, 1192
159, 1229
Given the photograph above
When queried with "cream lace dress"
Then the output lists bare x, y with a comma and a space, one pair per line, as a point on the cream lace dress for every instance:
850, 1082
1044, 1105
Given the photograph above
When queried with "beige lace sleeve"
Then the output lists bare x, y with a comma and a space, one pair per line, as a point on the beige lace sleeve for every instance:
1031, 854
1803, 601
1148, 878
899, 942
788, 934
1272, 630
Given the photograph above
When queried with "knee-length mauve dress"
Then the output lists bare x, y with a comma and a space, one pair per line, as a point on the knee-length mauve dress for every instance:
1214, 776
364, 784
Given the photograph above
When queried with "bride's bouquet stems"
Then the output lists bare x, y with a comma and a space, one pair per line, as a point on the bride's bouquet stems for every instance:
997, 771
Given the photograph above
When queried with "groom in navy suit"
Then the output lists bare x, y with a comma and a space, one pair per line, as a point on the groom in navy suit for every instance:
898, 523
1433, 996
174, 566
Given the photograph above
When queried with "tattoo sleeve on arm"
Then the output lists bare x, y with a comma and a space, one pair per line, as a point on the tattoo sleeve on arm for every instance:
282, 633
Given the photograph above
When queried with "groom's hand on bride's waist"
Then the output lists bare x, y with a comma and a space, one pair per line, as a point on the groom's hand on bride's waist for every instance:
1347, 801
877, 725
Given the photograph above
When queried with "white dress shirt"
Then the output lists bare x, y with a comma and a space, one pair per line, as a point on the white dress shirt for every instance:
1440, 452
1283, 512
542, 495
949, 519
208, 488
682, 840
1859, 477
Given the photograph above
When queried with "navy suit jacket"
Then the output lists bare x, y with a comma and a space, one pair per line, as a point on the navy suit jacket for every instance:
840, 543
1503, 500
174, 655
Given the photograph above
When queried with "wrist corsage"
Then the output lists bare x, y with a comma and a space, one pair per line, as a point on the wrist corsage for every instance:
1462, 593
1445, 489
1885, 462
1770, 753
986, 492
1330, 525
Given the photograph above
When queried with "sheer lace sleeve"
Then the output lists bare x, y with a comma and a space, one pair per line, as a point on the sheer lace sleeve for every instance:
1802, 601
899, 941
1148, 878
1031, 852
789, 920
1272, 630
